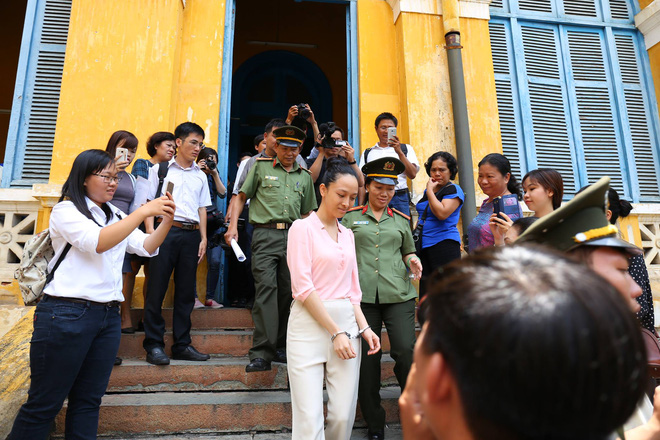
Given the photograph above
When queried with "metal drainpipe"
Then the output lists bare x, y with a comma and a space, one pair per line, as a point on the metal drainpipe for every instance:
461, 127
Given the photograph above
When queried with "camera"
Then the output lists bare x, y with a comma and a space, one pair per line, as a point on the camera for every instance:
303, 112
325, 130
210, 163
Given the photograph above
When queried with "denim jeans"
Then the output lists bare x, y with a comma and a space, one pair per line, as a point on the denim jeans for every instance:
72, 353
213, 259
401, 202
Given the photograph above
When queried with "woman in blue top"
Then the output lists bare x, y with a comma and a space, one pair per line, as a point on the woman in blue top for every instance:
495, 180
439, 209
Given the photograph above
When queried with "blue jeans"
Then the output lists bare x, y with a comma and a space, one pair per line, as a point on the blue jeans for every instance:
72, 352
401, 202
213, 259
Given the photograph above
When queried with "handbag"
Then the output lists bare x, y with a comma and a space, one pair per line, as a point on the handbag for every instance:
652, 353
417, 233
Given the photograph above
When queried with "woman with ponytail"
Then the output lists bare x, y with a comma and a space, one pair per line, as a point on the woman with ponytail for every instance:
326, 322
495, 180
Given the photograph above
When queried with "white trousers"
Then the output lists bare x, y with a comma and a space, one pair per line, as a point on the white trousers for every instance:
310, 355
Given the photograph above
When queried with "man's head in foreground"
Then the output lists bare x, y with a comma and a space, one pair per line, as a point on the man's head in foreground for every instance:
523, 343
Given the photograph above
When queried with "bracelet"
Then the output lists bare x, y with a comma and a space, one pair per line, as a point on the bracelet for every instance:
410, 259
332, 338
353, 163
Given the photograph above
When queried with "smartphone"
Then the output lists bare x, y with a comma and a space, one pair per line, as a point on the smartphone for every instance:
391, 132
122, 154
170, 187
507, 204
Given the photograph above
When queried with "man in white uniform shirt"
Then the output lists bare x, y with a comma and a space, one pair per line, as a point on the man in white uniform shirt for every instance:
183, 249
392, 148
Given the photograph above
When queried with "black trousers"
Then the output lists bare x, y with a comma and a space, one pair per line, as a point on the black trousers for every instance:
178, 253
434, 257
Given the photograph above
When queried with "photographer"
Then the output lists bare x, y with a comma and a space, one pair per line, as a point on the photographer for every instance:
208, 163
331, 144
301, 115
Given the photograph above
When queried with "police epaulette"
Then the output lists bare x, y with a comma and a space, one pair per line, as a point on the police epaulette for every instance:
356, 208
407, 217
265, 158
308, 171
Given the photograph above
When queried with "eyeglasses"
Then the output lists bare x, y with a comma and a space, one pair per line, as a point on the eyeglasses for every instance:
108, 179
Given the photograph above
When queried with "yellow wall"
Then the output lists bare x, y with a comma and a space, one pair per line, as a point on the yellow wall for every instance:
142, 66
644, 3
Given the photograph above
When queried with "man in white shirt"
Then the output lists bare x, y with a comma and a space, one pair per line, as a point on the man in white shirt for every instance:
181, 251
392, 147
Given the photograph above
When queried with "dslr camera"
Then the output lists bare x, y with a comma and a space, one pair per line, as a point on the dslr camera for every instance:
211, 164
303, 112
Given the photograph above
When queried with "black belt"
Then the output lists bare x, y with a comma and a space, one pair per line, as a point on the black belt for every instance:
186, 226
398, 192
85, 301
282, 226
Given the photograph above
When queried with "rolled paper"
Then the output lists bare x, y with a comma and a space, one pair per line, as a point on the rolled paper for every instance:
237, 251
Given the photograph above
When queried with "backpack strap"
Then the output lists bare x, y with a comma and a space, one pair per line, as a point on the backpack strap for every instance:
366, 154
50, 275
163, 168
404, 149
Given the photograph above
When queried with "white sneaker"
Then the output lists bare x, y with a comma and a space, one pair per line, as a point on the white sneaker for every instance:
212, 304
198, 304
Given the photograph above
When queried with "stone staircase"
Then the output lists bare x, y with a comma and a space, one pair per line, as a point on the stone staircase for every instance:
216, 396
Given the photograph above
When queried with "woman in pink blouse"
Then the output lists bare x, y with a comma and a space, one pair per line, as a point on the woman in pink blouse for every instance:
326, 321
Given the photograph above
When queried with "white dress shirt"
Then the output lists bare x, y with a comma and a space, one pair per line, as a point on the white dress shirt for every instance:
84, 273
378, 152
191, 190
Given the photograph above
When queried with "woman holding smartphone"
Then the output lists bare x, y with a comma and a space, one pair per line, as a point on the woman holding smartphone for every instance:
495, 180
326, 320
385, 250
77, 323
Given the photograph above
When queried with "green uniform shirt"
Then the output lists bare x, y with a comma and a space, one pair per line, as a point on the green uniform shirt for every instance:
278, 195
380, 247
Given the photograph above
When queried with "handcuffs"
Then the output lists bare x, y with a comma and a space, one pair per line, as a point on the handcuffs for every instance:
348, 334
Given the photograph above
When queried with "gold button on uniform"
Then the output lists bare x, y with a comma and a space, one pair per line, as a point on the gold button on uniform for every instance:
376, 258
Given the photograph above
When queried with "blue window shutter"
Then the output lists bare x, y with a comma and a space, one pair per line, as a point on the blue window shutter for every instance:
552, 143
40, 96
536, 5
583, 8
637, 131
620, 10
596, 131
506, 93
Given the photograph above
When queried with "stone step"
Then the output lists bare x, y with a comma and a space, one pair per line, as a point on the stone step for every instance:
216, 374
207, 318
215, 342
169, 413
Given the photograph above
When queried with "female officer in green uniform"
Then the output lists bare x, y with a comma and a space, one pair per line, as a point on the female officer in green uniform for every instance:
385, 250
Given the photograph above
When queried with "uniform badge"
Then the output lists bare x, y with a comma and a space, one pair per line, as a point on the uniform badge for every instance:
290, 132
389, 166
271, 178
361, 222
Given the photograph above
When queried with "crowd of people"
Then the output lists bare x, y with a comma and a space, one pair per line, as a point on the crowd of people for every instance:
518, 340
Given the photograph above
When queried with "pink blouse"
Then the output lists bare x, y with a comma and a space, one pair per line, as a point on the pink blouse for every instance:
318, 263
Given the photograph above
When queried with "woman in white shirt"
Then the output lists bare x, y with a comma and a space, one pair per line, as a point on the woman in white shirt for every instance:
77, 322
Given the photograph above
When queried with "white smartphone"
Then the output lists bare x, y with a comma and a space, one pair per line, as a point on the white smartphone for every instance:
170, 187
391, 133
122, 154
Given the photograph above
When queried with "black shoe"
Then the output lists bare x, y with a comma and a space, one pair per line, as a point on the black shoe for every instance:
376, 435
157, 356
128, 330
190, 354
140, 327
257, 364
118, 361
280, 356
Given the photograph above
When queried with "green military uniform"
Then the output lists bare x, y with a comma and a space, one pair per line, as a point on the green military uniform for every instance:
388, 295
278, 197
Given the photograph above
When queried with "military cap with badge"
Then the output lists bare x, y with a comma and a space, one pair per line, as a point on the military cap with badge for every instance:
289, 136
580, 222
385, 170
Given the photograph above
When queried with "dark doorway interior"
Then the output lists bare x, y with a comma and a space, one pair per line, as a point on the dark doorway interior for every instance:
11, 33
286, 52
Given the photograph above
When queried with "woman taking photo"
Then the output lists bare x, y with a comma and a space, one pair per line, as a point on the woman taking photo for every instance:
495, 180
77, 323
326, 321
384, 248
543, 192
439, 210
161, 147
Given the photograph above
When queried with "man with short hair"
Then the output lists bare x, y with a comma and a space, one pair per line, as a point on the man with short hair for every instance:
392, 147
522, 343
181, 252
281, 191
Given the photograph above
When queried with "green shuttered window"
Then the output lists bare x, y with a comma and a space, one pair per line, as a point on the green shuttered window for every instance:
575, 94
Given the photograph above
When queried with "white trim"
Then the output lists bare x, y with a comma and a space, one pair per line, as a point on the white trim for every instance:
467, 8
184, 3
648, 22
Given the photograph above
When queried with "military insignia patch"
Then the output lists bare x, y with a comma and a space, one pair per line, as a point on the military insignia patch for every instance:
290, 132
389, 166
